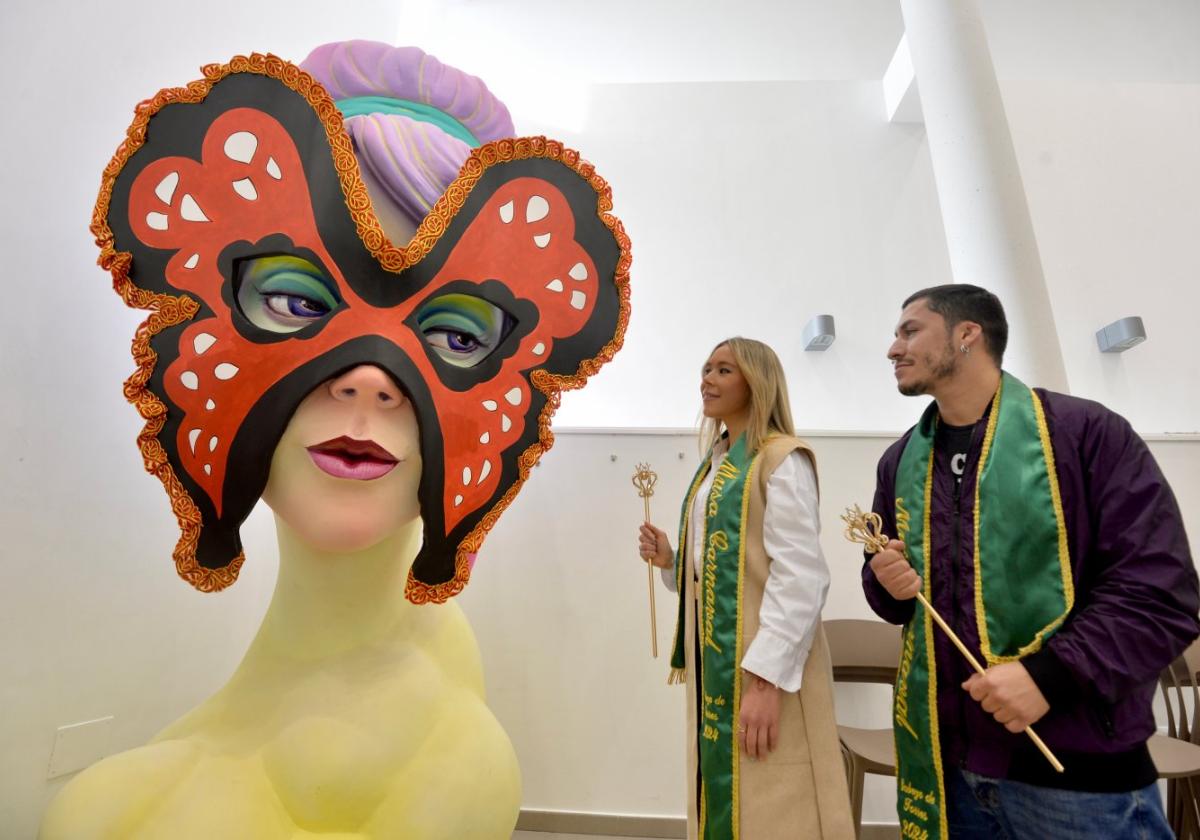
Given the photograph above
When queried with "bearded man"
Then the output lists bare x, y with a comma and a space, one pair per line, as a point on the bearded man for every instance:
1042, 530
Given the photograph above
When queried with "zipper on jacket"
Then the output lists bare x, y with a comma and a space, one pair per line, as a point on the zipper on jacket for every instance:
958, 612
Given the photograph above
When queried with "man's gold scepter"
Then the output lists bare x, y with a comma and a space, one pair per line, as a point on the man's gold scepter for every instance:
867, 528
644, 480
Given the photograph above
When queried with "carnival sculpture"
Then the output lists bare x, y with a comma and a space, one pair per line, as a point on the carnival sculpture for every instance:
364, 298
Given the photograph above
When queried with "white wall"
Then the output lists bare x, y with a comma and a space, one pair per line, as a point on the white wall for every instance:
1113, 181
751, 206
1094, 40
803, 201
558, 601
561, 612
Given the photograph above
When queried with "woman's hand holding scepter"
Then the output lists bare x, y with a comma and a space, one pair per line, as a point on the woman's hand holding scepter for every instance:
867, 529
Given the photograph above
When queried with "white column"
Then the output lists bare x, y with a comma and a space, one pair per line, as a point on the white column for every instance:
988, 229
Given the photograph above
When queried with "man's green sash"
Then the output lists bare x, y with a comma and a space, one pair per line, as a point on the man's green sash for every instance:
719, 625
1023, 584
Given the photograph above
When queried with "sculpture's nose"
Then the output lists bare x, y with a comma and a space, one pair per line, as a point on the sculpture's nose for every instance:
366, 385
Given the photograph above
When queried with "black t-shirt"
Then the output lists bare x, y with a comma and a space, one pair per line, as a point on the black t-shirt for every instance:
954, 442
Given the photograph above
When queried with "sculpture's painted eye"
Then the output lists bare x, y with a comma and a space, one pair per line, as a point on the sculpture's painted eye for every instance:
463, 329
284, 293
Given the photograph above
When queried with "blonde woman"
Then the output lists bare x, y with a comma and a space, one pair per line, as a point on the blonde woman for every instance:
763, 757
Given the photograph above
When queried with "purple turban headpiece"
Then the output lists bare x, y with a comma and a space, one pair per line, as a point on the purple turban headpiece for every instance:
412, 119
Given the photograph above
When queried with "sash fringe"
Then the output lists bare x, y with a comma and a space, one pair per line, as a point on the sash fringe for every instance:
678, 676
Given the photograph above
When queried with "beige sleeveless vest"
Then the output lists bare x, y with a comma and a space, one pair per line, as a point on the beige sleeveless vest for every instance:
799, 792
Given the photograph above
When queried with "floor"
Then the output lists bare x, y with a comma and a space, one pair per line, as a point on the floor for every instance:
876, 832
543, 835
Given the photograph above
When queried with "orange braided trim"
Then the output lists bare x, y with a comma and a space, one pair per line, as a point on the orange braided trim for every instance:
550, 385
171, 310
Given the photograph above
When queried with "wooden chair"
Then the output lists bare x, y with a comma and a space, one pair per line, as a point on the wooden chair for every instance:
863, 651
1177, 754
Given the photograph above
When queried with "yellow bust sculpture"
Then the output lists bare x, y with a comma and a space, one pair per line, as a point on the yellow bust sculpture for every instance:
386, 402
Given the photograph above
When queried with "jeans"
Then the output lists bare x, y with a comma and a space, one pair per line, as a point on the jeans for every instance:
996, 809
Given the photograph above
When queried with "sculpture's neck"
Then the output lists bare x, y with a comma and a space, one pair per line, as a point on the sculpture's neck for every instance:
328, 603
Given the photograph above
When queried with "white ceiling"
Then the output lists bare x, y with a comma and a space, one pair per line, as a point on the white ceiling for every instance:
632, 41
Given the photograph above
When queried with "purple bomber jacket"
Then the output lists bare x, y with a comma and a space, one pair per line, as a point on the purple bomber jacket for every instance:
1136, 601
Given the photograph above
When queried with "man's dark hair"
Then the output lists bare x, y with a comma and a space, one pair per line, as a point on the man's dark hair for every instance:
957, 302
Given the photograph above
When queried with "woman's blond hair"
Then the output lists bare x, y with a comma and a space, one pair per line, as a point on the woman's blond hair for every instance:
770, 410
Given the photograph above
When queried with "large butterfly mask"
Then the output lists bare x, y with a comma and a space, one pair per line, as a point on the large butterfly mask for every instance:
235, 214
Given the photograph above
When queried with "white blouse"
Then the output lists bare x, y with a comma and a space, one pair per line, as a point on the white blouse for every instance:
797, 578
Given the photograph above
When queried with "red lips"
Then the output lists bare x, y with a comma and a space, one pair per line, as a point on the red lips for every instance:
345, 457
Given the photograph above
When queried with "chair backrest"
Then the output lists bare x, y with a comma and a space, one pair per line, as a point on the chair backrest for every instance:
863, 651
1181, 695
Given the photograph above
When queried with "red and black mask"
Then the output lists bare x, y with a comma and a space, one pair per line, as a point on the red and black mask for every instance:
235, 214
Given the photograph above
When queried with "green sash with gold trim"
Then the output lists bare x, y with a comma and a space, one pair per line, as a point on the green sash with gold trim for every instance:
1023, 584
719, 623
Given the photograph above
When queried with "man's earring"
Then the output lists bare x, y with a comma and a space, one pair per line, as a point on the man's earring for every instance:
964, 349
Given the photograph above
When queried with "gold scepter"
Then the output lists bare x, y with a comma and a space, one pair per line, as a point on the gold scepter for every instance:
644, 480
867, 528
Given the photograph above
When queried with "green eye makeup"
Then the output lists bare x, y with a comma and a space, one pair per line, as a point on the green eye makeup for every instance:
284, 293
463, 329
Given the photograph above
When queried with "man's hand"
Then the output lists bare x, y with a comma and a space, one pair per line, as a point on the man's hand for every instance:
758, 718
1009, 694
894, 572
